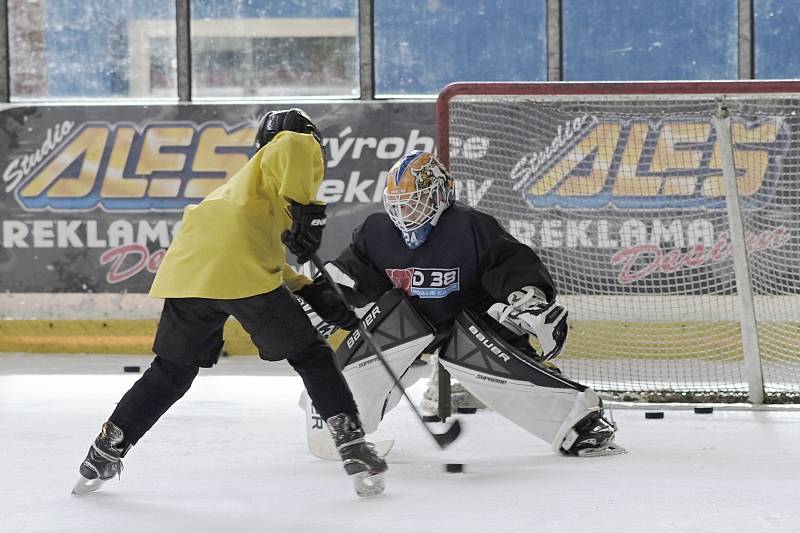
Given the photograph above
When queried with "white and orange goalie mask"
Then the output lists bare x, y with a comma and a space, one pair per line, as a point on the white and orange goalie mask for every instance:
418, 190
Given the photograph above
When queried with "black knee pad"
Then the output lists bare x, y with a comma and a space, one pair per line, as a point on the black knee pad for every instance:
175, 376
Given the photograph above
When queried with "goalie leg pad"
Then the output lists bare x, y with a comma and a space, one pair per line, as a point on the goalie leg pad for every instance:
507, 380
562, 412
402, 334
418, 370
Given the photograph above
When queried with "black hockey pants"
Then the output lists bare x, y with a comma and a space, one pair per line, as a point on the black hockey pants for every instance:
190, 335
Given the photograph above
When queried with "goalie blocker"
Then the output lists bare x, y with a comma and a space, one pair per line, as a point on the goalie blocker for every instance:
564, 413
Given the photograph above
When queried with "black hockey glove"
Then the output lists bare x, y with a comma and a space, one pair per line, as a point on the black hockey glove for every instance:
327, 304
305, 236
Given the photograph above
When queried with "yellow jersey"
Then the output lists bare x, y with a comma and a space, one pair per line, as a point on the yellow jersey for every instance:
229, 245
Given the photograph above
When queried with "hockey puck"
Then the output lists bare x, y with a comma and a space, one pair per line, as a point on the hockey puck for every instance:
467, 410
454, 468
654, 414
703, 410
132, 369
430, 418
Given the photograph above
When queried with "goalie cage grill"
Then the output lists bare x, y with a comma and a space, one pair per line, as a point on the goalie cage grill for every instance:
621, 188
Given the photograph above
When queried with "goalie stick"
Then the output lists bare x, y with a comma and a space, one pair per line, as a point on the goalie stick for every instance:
442, 439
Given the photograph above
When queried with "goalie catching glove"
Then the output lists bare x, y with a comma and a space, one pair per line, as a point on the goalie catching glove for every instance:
529, 312
305, 236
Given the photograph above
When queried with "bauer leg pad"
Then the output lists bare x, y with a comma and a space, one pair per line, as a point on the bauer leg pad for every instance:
538, 399
402, 334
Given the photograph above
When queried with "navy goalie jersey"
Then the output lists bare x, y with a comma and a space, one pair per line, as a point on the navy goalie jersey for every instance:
468, 262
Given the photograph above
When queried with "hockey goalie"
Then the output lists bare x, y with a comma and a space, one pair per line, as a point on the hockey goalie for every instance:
447, 278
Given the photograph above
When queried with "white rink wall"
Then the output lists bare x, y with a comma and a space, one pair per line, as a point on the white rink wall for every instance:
91, 306
78, 306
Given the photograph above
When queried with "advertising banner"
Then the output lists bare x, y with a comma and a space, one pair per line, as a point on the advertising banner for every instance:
628, 196
91, 196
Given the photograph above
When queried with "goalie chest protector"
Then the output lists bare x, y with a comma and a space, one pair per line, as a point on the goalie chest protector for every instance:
468, 262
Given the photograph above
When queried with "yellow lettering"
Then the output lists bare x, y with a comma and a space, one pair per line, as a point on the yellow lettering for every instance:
116, 184
628, 182
750, 157
669, 155
153, 160
89, 143
601, 143
208, 160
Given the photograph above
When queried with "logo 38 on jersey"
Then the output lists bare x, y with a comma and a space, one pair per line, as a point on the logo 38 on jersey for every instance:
425, 282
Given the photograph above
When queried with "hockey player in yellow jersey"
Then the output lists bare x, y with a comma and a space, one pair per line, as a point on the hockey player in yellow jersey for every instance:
228, 259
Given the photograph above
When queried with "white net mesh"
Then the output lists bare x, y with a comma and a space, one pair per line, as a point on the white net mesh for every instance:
623, 197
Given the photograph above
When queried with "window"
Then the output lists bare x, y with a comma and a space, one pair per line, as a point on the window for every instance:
62, 49
777, 30
650, 40
282, 48
422, 45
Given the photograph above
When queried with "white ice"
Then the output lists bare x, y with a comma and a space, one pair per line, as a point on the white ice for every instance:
231, 457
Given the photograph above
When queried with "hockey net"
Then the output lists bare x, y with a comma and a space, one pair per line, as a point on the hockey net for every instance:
620, 187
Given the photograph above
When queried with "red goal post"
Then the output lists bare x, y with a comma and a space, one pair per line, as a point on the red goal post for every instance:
667, 212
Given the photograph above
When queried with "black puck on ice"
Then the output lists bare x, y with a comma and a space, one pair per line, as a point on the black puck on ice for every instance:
703, 410
454, 468
132, 369
654, 414
467, 410
431, 418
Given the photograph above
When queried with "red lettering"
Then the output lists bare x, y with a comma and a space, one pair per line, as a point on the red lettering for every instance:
155, 260
717, 252
138, 253
674, 260
696, 256
630, 255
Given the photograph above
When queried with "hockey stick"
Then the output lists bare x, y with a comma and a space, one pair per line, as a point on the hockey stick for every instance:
442, 439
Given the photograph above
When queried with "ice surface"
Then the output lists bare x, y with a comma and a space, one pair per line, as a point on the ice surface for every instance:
231, 457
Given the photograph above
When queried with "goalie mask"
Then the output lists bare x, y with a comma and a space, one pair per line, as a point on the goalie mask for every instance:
418, 190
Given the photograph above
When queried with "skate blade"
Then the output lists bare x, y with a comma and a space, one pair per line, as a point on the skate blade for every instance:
367, 484
85, 486
323, 449
611, 449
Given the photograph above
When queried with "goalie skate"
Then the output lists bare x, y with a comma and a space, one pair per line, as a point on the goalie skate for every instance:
592, 437
460, 397
612, 448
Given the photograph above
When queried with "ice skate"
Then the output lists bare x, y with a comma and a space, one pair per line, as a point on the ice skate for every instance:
358, 456
460, 398
593, 436
103, 461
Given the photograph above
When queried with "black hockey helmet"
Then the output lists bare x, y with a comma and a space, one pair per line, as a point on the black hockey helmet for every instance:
284, 120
